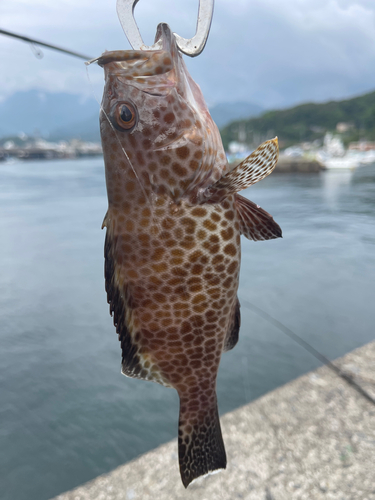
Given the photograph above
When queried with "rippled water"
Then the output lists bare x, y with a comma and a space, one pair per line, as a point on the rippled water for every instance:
67, 414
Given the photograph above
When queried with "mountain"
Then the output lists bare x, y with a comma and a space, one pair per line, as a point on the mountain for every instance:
59, 115
36, 112
222, 114
226, 112
86, 129
307, 122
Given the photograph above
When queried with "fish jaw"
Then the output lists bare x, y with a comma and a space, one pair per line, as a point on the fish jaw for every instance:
174, 146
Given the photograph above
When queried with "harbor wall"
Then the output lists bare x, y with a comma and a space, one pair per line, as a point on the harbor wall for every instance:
313, 439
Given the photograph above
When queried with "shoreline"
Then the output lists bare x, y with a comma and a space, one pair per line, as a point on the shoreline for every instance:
313, 438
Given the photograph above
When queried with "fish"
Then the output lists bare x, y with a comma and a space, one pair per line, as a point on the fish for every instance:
173, 227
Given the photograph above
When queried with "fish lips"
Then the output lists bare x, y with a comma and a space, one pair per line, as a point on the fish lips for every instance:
136, 63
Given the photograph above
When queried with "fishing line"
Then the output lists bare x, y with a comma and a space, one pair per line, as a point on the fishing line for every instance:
349, 379
34, 42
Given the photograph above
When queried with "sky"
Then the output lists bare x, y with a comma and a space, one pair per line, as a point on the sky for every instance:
270, 52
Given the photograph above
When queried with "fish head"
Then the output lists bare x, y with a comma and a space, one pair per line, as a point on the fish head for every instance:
154, 120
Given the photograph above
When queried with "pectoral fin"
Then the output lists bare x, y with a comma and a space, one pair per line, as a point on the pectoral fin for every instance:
254, 168
255, 223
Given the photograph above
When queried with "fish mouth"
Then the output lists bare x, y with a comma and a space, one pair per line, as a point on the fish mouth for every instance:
127, 56
136, 63
143, 63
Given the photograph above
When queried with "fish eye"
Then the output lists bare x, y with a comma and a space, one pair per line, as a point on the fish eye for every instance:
125, 115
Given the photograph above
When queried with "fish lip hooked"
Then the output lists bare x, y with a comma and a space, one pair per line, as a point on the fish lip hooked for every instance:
118, 56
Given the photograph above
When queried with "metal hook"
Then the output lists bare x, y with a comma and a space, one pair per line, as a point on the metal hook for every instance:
191, 47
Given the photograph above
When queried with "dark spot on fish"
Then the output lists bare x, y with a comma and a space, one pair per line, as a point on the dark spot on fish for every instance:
209, 225
232, 268
230, 250
189, 225
197, 269
179, 170
227, 234
217, 259
201, 234
193, 164
169, 118
183, 152
165, 160
130, 186
214, 238
199, 212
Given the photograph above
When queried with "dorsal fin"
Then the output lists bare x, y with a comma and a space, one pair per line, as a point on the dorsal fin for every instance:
252, 169
255, 223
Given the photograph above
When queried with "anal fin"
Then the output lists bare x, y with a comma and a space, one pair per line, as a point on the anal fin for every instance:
117, 299
255, 223
234, 329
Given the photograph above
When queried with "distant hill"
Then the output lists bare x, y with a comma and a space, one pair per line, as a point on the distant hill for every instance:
35, 112
226, 112
86, 129
222, 114
307, 122
66, 116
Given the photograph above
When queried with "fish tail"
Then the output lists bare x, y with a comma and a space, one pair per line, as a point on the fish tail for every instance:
200, 443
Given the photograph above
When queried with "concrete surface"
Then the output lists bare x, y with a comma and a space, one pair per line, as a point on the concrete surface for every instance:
313, 438
288, 164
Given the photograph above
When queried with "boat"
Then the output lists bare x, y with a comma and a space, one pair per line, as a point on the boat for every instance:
333, 155
345, 162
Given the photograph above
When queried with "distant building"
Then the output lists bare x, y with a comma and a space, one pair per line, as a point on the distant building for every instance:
235, 147
362, 146
333, 145
343, 127
37, 148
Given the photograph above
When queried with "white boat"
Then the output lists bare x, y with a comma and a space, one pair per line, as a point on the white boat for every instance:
367, 157
345, 162
334, 157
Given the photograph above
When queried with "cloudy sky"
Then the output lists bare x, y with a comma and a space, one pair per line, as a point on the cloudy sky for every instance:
270, 52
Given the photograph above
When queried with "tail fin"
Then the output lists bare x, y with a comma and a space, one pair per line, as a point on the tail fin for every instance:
200, 443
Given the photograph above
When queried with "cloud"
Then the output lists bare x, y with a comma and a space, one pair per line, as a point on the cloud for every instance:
266, 51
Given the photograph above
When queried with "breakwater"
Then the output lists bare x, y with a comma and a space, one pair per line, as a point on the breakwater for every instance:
313, 438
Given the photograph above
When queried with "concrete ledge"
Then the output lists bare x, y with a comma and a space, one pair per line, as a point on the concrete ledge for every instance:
312, 439
287, 164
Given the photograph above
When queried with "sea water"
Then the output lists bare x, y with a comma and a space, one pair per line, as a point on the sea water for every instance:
67, 414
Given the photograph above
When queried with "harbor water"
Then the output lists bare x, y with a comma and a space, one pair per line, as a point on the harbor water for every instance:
67, 414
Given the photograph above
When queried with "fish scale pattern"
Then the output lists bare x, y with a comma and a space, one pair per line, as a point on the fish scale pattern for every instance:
171, 262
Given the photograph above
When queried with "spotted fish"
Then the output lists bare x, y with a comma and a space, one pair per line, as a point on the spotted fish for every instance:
172, 248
